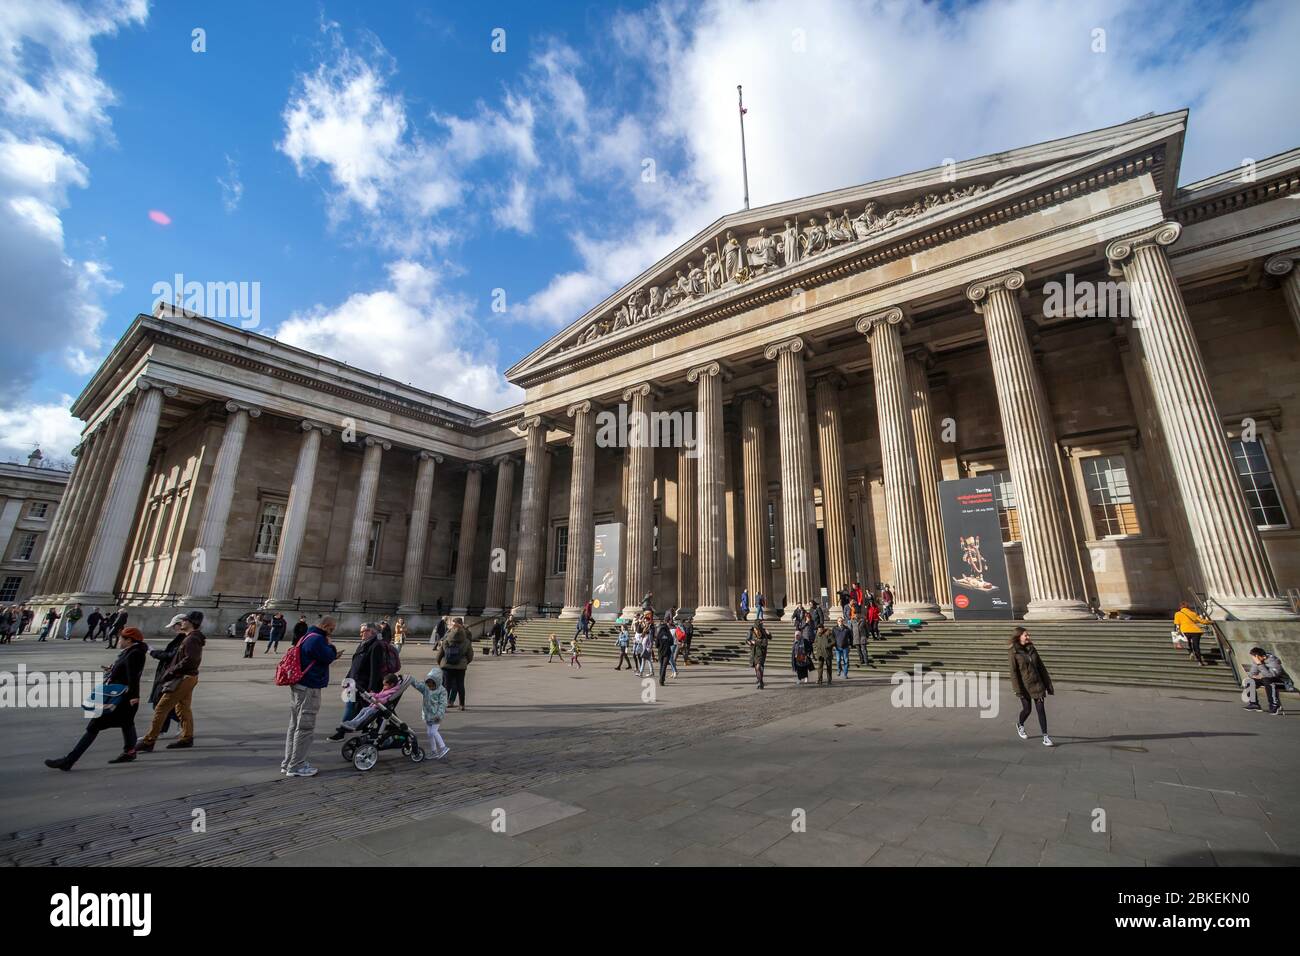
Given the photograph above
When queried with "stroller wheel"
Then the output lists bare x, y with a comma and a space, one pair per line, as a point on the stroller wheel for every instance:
365, 757
350, 748
407, 748
416, 754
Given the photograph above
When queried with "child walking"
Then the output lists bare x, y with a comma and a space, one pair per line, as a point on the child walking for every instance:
250, 639
575, 650
433, 709
554, 650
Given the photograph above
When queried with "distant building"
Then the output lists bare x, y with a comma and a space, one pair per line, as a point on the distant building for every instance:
29, 498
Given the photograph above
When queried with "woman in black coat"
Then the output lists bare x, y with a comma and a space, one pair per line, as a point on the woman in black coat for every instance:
164, 658
126, 669
1030, 681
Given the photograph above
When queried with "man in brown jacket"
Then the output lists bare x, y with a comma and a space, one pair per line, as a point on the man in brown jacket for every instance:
178, 682
454, 654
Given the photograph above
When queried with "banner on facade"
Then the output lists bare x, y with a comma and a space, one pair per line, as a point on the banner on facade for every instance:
606, 571
972, 538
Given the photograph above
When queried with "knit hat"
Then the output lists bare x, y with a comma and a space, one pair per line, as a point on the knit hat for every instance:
134, 633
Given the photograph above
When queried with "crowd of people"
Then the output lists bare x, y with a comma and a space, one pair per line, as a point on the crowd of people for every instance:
16, 619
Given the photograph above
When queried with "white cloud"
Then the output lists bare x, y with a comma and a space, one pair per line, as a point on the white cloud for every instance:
232, 187
410, 330
49, 426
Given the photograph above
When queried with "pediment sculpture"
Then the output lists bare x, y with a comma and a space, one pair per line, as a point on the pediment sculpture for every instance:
734, 260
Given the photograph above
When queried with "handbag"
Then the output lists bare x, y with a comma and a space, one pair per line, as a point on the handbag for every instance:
104, 697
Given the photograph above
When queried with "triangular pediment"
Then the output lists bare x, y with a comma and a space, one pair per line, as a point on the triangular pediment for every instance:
744, 248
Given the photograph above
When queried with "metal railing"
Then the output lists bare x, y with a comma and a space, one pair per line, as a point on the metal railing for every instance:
1203, 602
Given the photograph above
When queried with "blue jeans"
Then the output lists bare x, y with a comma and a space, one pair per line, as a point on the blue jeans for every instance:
842, 661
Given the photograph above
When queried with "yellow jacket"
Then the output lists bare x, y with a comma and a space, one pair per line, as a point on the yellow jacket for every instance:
1189, 622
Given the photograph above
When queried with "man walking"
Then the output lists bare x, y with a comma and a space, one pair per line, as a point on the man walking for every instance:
70, 618
316, 652
179, 679
744, 604
824, 651
92, 625
843, 635
664, 643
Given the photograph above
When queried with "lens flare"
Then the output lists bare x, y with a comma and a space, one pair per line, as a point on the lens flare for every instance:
160, 217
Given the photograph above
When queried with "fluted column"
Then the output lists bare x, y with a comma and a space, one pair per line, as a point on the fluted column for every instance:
835, 516
711, 482
758, 567
352, 590
70, 561
1233, 561
928, 471
418, 532
688, 537
296, 514
1284, 266
578, 563
88, 454
468, 532
798, 509
216, 508
640, 497
1051, 554
532, 521
505, 495
909, 544
113, 527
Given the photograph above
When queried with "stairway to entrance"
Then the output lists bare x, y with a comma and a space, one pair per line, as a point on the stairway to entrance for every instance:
1094, 652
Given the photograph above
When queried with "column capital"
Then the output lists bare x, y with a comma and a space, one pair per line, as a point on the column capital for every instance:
923, 355
644, 389
371, 441
478, 466
500, 460
578, 408
710, 369
1120, 251
831, 375
979, 290
753, 395
423, 455
793, 346
891, 316
1282, 263
144, 383
253, 410
531, 422
308, 425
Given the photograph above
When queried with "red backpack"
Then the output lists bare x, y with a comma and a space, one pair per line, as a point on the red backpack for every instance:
290, 670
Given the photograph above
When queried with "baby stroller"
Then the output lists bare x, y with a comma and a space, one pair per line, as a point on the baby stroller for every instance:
384, 731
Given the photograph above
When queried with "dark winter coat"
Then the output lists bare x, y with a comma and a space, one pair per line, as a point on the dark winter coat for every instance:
164, 658
1029, 677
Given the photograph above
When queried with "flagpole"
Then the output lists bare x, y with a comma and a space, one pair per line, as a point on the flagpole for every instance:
744, 163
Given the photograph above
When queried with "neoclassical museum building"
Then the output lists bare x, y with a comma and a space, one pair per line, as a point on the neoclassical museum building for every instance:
1117, 355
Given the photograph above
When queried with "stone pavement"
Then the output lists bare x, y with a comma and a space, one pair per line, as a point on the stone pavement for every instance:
556, 767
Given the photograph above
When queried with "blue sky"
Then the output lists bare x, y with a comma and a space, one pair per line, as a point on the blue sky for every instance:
379, 169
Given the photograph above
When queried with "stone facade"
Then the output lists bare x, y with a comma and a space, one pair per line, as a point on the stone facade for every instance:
30, 498
1120, 355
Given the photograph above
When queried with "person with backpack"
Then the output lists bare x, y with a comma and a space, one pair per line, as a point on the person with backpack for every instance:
757, 641
623, 640
498, 634
306, 669
178, 682
1030, 682
50, 617
801, 656
664, 644
276, 634
454, 656
744, 604
123, 675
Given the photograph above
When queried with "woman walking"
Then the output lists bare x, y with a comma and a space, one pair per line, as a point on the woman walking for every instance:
1191, 625
758, 640
278, 626
800, 657
120, 707
1030, 681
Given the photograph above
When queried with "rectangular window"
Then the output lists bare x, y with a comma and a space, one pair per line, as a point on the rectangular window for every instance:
270, 523
372, 549
455, 551
39, 509
26, 547
1004, 490
1109, 497
1255, 475
771, 535
561, 549
9, 590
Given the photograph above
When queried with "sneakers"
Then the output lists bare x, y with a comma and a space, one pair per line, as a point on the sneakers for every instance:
339, 734
303, 771
442, 753
1254, 706
1020, 729
1277, 712
1047, 741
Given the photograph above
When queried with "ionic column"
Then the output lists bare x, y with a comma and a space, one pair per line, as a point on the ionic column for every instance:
1284, 266
505, 494
909, 545
352, 589
711, 482
418, 532
113, 527
640, 497
1051, 554
88, 453
758, 569
468, 532
830, 449
216, 508
688, 538
578, 563
79, 529
532, 521
798, 509
928, 471
1233, 561
296, 514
